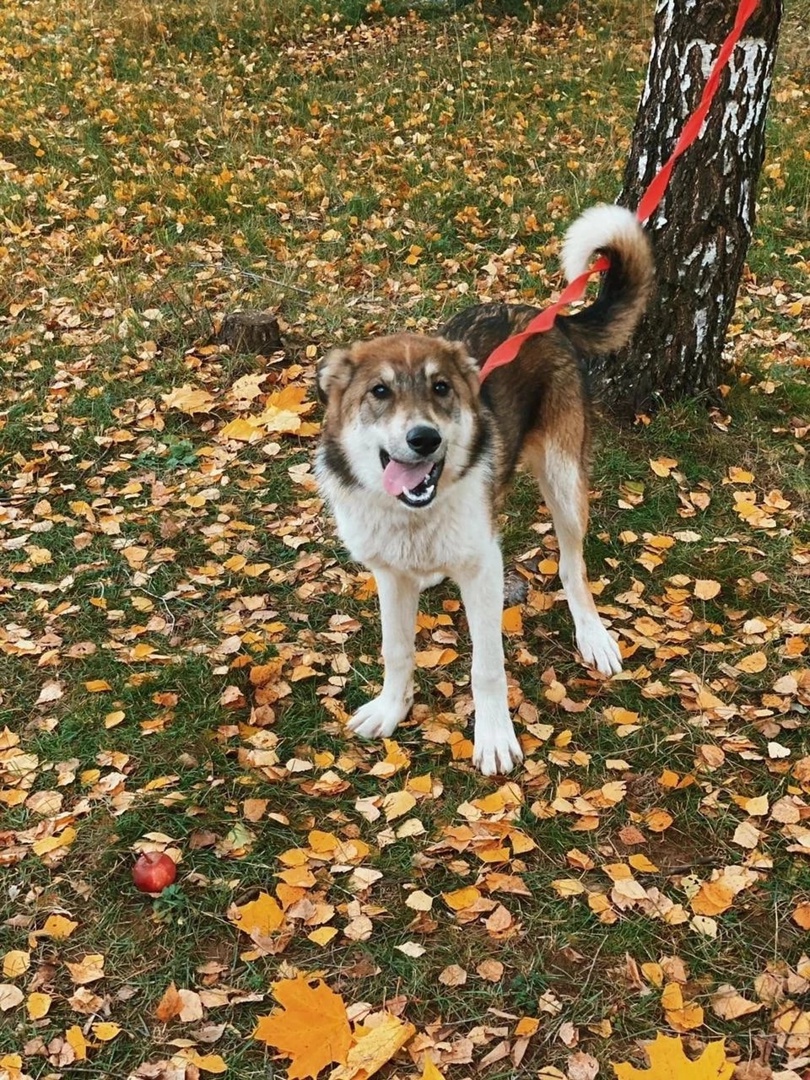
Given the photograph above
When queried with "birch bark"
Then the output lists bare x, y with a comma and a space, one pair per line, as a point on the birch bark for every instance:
702, 229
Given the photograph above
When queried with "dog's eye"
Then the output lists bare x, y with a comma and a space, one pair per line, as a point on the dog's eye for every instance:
441, 388
380, 391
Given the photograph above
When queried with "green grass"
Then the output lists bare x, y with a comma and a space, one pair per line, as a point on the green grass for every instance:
168, 163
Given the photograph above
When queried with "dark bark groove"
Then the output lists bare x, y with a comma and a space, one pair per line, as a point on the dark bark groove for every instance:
701, 230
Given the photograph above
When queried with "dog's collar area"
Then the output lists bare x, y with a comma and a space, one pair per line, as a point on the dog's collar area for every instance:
414, 484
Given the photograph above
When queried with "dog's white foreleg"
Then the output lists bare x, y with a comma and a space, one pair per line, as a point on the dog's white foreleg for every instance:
399, 599
563, 484
496, 747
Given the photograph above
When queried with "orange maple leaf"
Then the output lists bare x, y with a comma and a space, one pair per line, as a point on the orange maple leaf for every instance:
313, 1029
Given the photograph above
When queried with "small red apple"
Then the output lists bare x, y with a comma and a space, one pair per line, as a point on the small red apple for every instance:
153, 872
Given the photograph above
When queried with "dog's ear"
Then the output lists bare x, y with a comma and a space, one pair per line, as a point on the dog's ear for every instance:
335, 372
467, 365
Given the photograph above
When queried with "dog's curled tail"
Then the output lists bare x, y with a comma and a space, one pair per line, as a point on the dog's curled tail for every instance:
606, 325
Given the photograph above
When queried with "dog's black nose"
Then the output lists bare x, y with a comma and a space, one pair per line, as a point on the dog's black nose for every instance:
423, 439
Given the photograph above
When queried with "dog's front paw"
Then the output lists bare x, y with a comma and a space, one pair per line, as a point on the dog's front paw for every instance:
497, 750
599, 650
378, 719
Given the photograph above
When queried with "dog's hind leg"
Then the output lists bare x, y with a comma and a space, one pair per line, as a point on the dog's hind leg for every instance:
399, 600
563, 484
496, 747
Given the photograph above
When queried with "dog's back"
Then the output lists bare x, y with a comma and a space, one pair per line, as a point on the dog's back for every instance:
545, 387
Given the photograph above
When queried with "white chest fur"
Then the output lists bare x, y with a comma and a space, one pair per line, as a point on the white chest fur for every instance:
381, 532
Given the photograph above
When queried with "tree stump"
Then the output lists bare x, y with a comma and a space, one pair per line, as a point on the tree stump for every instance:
250, 332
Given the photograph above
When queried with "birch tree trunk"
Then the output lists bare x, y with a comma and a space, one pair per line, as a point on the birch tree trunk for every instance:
701, 230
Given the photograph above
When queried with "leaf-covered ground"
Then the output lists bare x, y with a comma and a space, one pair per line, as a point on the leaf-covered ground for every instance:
182, 638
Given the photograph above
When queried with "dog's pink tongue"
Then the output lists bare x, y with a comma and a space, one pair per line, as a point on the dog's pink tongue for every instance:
398, 477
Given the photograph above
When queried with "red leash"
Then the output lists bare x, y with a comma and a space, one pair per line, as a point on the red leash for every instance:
575, 290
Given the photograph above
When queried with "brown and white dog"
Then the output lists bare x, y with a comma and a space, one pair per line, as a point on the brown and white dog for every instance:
416, 455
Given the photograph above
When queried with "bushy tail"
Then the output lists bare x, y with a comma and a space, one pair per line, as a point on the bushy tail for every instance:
608, 323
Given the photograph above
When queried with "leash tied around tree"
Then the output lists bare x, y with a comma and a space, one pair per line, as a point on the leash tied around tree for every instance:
650, 200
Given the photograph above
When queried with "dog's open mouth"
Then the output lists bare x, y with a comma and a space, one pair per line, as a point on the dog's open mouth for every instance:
412, 483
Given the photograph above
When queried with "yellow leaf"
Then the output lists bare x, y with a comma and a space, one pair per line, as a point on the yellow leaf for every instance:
511, 621
77, 1041
431, 658
58, 926
737, 475
686, 1019
712, 898
642, 864
658, 820
429, 1070
211, 1063
97, 686
397, 803
241, 430
663, 466
373, 1047
38, 1005
260, 916
105, 1031
16, 963
323, 935
527, 1026
281, 421
490, 804
566, 887
801, 916
615, 714
753, 663
653, 973
187, 399
461, 898
756, 807
312, 1028
51, 843
669, 1062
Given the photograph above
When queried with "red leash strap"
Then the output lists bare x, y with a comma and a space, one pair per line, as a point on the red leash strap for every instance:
650, 200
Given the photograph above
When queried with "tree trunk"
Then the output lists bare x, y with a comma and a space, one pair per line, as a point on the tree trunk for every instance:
701, 230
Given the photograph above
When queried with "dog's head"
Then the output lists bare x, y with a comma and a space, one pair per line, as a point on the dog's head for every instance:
402, 415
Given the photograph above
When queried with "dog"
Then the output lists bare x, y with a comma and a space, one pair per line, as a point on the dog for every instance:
416, 455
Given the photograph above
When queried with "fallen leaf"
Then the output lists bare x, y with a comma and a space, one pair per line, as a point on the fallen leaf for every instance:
706, 589
105, 1031
801, 915
16, 963
261, 916
373, 1047
669, 1062
453, 975
10, 996
729, 1004
88, 969
311, 1028
412, 949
